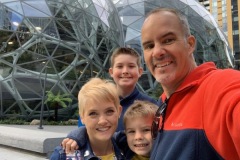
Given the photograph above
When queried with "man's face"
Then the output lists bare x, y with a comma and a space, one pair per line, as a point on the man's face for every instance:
167, 51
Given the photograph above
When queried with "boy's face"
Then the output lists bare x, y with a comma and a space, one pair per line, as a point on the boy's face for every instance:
139, 138
125, 71
101, 120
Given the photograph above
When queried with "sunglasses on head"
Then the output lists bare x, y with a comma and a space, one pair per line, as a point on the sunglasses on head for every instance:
158, 120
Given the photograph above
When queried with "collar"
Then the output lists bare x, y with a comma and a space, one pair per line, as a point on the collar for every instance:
194, 77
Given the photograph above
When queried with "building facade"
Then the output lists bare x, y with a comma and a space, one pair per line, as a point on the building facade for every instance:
226, 13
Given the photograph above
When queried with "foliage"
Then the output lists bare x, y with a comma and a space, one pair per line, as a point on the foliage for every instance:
56, 101
156, 93
59, 99
24, 122
14, 122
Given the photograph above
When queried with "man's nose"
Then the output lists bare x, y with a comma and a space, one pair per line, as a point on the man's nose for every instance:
158, 51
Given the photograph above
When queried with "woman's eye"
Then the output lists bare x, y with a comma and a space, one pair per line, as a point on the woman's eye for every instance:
92, 114
110, 112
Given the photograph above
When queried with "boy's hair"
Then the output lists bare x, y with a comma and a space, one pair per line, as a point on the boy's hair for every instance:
140, 109
126, 51
182, 18
97, 90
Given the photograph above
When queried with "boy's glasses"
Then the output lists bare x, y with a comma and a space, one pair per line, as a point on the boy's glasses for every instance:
158, 120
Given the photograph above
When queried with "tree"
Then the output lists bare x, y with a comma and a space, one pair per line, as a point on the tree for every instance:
156, 93
56, 101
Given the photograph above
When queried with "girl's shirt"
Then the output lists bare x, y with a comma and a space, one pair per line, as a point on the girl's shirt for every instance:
108, 157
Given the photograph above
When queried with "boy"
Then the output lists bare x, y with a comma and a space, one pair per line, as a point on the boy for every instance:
126, 70
138, 120
99, 109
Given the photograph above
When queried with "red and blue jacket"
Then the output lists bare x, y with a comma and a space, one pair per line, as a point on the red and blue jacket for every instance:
202, 119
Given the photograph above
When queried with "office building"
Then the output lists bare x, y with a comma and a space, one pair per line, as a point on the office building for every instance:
226, 13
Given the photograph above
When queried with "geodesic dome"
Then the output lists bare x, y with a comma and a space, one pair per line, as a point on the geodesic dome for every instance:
52, 45
58, 45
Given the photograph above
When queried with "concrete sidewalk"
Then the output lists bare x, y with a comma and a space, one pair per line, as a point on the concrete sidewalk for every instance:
31, 140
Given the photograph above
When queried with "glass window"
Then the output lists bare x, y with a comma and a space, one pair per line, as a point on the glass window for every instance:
235, 32
235, 19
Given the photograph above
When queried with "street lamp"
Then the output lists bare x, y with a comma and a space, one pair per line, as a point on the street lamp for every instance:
43, 98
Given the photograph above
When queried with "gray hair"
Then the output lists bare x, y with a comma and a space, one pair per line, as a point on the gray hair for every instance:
182, 18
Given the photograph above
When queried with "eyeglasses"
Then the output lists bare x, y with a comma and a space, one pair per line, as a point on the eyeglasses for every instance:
158, 120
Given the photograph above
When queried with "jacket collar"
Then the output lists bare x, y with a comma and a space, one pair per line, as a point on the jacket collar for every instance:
194, 77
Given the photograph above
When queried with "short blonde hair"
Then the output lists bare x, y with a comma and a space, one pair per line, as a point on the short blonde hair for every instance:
97, 90
139, 109
125, 51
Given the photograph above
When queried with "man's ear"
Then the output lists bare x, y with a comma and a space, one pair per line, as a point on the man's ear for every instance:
192, 43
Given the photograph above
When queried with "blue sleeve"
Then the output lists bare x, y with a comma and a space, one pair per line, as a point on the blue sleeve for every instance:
80, 122
121, 141
58, 154
79, 135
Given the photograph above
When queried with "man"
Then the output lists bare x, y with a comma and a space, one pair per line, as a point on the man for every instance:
199, 118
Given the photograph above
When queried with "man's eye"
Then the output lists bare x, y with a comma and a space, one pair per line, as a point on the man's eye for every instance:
168, 41
148, 46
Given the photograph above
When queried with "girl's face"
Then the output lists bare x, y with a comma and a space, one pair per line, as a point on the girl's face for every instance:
125, 71
101, 120
138, 132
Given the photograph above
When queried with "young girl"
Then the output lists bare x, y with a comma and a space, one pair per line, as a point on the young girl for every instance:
99, 110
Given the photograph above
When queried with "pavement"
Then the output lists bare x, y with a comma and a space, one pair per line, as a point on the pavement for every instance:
28, 142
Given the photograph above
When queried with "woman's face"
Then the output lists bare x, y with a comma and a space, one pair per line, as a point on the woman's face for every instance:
101, 120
